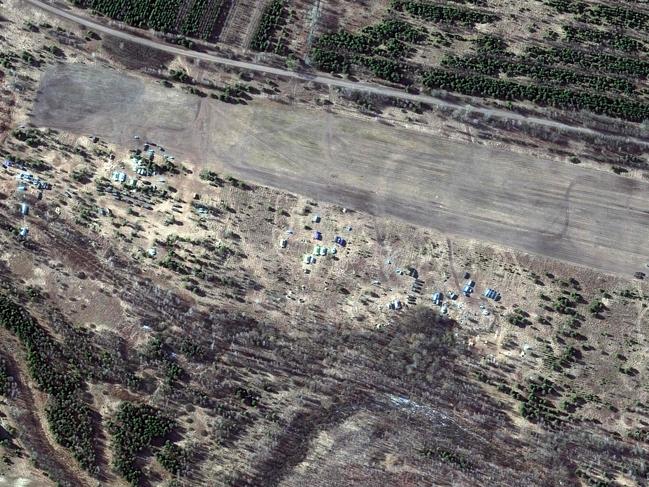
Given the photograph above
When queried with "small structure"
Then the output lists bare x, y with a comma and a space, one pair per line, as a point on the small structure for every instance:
396, 304
152, 252
283, 243
316, 219
120, 177
317, 235
333, 250
307, 259
24, 209
451, 295
466, 275
437, 298
469, 287
492, 294
7, 163
23, 232
340, 241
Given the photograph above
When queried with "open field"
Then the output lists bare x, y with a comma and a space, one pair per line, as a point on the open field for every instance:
582, 216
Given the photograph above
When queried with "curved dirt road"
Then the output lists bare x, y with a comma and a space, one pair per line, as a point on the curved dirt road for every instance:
327, 80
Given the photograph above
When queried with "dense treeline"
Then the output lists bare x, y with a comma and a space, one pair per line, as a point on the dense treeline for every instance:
69, 420
381, 48
609, 39
5, 380
443, 13
68, 416
160, 15
133, 429
479, 3
269, 24
192, 22
602, 14
483, 86
133, 12
173, 458
599, 63
512, 66
386, 69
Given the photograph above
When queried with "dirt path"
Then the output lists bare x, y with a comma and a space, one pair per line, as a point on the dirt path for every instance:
451, 265
328, 80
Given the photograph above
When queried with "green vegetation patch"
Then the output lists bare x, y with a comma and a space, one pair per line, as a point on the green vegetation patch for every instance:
448, 456
68, 416
381, 48
133, 429
161, 15
271, 21
514, 67
5, 378
450, 14
173, 457
613, 40
602, 14
486, 87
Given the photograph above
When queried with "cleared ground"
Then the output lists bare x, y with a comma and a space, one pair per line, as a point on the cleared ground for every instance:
586, 217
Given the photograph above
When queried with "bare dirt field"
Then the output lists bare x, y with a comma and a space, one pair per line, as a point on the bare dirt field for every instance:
578, 215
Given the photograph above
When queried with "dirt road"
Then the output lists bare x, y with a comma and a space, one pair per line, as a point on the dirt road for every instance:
557, 210
327, 80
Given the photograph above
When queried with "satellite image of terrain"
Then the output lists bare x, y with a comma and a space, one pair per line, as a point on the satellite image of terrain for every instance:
324, 243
